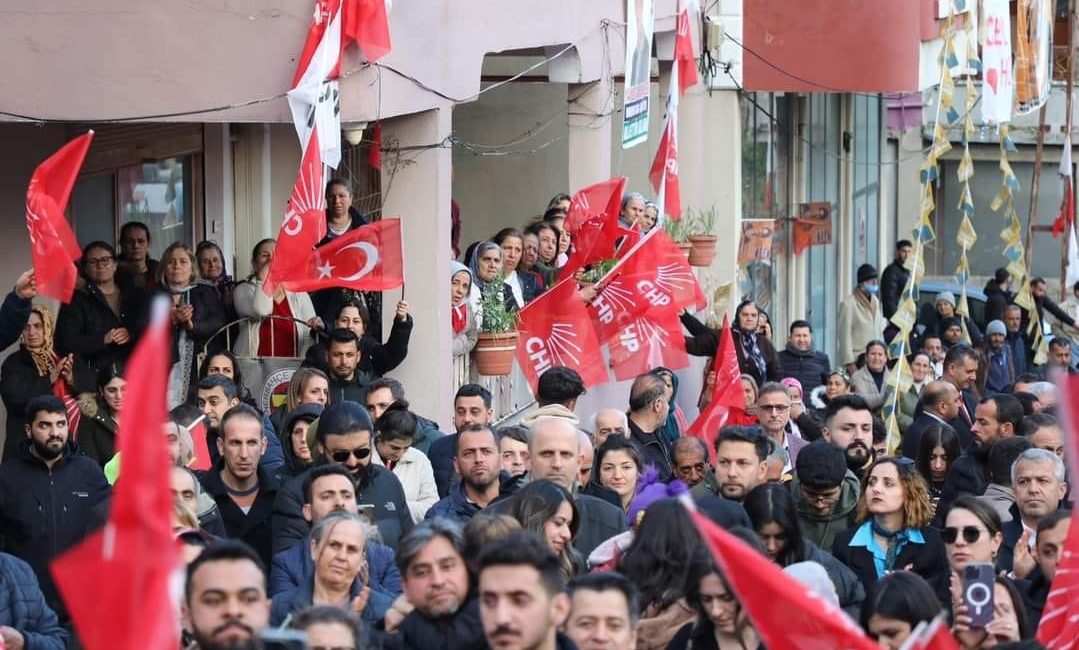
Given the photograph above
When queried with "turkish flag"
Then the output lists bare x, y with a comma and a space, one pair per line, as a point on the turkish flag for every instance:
197, 431
121, 583
654, 339
684, 57
367, 258
600, 200
556, 330
305, 221
366, 22
1059, 626
727, 396
664, 172
808, 621
52, 242
653, 277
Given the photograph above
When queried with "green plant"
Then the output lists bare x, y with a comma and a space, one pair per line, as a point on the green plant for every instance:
598, 270
496, 318
677, 230
702, 222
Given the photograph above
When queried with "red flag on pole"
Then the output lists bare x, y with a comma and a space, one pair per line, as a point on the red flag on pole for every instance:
596, 240
314, 99
366, 22
367, 258
664, 172
931, 635
654, 339
556, 330
119, 583
52, 242
808, 621
305, 221
727, 394
684, 57
197, 431
599, 200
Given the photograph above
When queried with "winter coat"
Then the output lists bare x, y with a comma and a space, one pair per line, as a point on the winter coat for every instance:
353, 390
81, 326
462, 630
892, 281
426, 436
655, 449
208, 319
293, 566
20, 382
847, 586
253, 304
298, 598
13, 316
857, 326
996, 301
1001, 499
44, 512
703, 342
23, 607
380, 489
658, 626
968, 475
441, 454
376, 358
97, 430
457, 506
823, 531
417, 479
252, 527
863, 384
927, 560
809, 367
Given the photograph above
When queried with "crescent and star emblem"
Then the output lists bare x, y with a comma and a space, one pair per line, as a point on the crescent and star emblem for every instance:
325, 270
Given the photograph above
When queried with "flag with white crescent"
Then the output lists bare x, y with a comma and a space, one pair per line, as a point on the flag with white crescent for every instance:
367, 258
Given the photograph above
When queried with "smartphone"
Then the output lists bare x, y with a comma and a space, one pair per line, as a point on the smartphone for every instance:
366, 510
978, 581
283, 639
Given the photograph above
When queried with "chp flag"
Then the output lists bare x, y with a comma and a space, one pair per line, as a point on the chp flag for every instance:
599, 200
367, 258
727, 393
315, 97
556, 330
53, 246
305, 221
651, 340
664, 172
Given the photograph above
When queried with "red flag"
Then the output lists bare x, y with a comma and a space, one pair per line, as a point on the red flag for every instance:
931, 635
654, 339
314, 99
653, 277
664, 172
808, 621
325, 11
1059, 626
367, 258
727, 394
305, 221
683, 46
118, 582
365, 22
1066, 216
52, 243
197, 431
595, 241
601, 200
374, 156
556, 330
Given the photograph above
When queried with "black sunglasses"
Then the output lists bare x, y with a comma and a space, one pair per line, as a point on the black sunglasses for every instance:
970, 534
341, 455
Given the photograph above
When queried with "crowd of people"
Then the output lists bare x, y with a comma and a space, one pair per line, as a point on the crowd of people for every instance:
347, 516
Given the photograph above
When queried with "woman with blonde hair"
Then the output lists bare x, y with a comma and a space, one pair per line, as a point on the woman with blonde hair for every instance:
893, 532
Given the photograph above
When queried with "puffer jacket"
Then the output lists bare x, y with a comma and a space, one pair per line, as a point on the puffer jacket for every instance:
809, 367
290, 602
23, 607
97, 430
81, 326
822, 531
293, 567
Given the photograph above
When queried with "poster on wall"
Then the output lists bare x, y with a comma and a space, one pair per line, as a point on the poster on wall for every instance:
638, 77
756, 244
812, 226
1033, 54
998, 84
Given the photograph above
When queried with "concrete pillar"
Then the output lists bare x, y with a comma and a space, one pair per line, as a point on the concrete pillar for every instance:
416, 188
590, 135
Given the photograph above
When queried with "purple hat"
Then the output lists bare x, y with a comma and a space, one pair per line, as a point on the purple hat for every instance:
650, 490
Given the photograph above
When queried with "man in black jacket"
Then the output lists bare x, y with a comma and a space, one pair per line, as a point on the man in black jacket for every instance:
940, 406
344, 437
244, 492
47, 494
648, 409
15, 310
894, 278
997, 296
1043, 303
471, 405
347, 380
799, 360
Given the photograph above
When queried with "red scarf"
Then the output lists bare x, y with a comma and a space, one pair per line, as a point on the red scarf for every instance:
460, 318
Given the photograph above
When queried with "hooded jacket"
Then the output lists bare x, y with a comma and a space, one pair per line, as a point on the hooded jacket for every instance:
81, 326
810, 367
822, 531
23, 607
417, 480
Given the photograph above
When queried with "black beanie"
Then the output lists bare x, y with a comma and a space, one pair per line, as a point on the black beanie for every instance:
866, 272
821, 465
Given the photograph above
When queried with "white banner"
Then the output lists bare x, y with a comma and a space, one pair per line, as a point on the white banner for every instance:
998, 81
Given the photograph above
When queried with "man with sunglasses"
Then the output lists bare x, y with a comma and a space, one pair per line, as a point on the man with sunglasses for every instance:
344, 438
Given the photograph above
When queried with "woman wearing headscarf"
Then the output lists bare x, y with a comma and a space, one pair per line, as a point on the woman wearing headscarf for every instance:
212, 273
676, 419
756, 355
33, 370
485, 262
461, 314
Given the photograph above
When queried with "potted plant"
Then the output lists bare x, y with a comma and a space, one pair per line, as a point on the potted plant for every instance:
676, 230
701, 235
497, 340
596, 272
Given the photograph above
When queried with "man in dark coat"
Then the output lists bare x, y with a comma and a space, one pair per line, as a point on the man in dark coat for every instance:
997, 296
347, 380
894, 278
26, 621
799, 360
471, 405
344, 438
47, 494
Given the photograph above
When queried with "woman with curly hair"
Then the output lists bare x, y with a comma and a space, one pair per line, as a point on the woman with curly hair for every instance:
893, 533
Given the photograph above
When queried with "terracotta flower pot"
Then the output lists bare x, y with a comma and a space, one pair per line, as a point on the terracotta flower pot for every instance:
493, 354
703, 250
685, 247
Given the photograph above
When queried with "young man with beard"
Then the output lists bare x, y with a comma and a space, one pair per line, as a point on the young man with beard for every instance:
225, 605
848, 424
995, 417
217, 394
47, 494
347, 380
471, 405
522, 602
741, 456
344, 438
383, 392
478, 465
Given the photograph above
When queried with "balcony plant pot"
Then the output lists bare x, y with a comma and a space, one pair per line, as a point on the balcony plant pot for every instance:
494, 352
685, 247
703, 250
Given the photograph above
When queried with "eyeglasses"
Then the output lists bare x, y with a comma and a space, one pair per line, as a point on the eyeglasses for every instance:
341, 455
774, 408
970, 534
99, 261
820, 497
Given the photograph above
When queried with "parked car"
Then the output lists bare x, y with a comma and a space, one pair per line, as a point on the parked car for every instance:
927, 298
